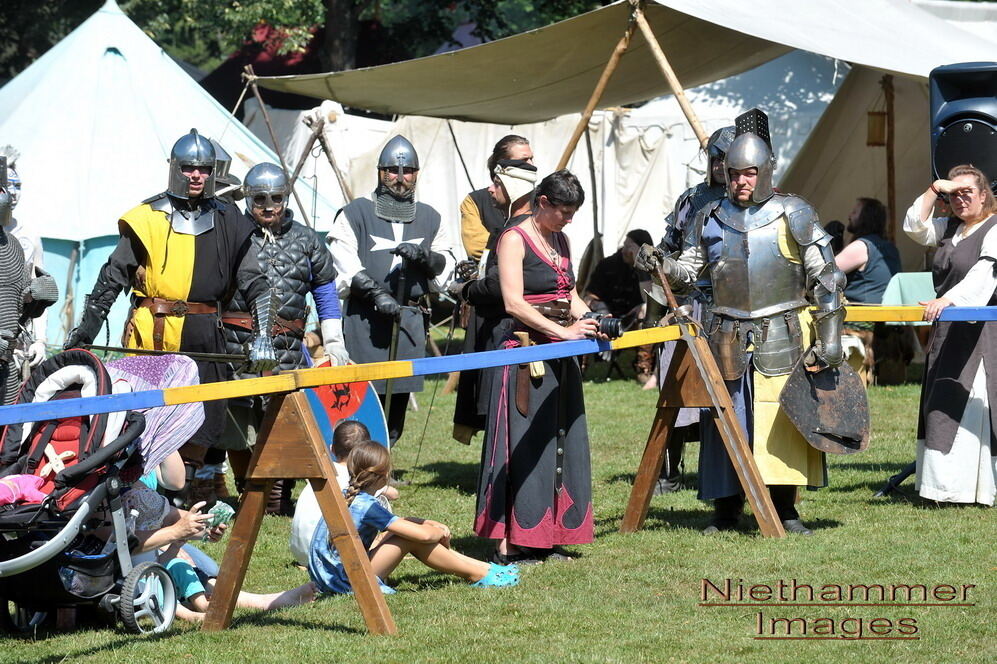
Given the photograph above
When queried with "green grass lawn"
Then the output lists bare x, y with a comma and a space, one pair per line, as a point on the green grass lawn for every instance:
628, 597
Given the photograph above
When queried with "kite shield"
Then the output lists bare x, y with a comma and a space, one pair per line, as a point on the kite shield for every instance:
828, 407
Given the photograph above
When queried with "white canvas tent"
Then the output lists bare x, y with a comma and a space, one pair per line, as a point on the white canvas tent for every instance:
551, 71
94, 120
629, 163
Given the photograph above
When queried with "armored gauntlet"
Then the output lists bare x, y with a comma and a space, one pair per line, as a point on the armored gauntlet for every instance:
262, 356
830, 318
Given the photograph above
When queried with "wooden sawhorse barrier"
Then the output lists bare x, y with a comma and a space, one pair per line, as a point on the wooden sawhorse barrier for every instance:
694, 381
290, 445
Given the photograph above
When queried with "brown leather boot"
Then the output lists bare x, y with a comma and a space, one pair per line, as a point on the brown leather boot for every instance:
221, 489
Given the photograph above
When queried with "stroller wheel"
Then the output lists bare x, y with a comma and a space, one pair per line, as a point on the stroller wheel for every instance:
15, 619
148, 599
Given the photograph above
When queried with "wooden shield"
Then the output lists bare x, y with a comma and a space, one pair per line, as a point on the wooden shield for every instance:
331, 404
828, 407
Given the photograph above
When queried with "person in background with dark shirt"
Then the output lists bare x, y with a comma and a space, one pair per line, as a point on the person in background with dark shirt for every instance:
615, 289
869, 261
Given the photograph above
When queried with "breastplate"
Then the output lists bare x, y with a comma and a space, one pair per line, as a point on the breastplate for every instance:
752, 278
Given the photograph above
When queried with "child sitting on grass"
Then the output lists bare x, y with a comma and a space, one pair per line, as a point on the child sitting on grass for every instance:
347, 435
429, 541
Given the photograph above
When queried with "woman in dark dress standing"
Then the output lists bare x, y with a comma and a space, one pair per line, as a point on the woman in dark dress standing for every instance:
957, 428
535, 489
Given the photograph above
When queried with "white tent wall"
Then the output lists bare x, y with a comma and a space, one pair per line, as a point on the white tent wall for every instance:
630, 164
794, 90
94, 119
835, 166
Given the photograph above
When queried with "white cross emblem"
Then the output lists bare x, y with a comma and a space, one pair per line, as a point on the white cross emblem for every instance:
387, 244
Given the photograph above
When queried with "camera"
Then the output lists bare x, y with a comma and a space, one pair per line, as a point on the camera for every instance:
611, 327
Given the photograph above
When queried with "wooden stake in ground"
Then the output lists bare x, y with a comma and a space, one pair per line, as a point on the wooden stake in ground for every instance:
694, 380
290, 445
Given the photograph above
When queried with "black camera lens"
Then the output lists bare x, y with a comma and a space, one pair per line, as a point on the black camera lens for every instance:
611, 327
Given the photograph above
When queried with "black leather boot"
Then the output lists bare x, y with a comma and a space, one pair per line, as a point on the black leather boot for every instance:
726, 514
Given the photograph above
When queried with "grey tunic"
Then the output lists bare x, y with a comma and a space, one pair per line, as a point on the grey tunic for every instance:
367, 332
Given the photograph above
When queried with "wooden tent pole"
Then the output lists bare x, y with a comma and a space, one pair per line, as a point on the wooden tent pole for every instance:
600, 87
672, 79
891, 183
251, 79
319, 132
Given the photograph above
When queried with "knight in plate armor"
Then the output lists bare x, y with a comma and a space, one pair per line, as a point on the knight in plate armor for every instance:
296, 263
183, 253
24, 292
390, 252
678, 223
767, 260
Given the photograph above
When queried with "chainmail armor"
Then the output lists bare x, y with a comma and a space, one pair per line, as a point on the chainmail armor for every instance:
13, 281
390, 207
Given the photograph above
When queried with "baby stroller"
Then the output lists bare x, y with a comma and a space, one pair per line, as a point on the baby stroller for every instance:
68, 545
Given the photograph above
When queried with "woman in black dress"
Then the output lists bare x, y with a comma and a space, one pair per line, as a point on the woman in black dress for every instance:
957, 428
535, 490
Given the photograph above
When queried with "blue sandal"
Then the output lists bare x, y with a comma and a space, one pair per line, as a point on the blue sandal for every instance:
498, 576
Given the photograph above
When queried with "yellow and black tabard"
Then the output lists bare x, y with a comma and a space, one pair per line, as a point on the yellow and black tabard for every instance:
180, 282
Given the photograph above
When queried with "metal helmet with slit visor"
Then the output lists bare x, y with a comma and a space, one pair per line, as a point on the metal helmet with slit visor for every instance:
191, 150
266, 186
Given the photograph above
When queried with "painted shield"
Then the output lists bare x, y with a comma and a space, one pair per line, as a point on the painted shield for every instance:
829, 408
331, 404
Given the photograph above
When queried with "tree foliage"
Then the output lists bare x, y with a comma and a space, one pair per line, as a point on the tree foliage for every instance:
356, 32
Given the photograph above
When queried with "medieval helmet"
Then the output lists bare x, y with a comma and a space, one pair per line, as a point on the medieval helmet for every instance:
191, 150
716, 148
399, 153
752, 148
266, 186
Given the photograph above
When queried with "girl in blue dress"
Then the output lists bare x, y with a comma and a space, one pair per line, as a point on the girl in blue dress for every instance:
429, 541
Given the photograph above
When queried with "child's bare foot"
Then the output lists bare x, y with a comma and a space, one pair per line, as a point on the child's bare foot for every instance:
303, 594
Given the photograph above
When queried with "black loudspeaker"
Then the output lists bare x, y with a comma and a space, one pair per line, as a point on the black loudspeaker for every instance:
964, 118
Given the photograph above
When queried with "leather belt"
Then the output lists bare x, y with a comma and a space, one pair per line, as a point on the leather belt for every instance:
244, 321
162, 307
557, 311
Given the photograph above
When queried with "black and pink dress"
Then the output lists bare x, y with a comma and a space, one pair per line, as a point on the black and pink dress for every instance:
535, 486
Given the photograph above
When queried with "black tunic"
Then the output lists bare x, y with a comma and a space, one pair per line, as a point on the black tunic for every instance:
956, 348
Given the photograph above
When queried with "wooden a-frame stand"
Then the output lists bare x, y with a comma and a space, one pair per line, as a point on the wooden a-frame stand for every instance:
694, 381
290, 445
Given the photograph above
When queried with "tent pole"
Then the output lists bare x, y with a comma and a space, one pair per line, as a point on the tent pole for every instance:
453, 136
327, 149
308, 147
600, 87
891, 184
672, 79
250, 77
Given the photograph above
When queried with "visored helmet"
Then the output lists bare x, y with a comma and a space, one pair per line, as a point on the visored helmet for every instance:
399, 153
266, 186
716, 149
191, 150
752, 148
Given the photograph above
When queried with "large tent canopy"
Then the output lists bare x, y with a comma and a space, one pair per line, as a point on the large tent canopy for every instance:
552, 71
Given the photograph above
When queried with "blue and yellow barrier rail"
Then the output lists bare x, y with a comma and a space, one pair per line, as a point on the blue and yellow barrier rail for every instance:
303, 378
